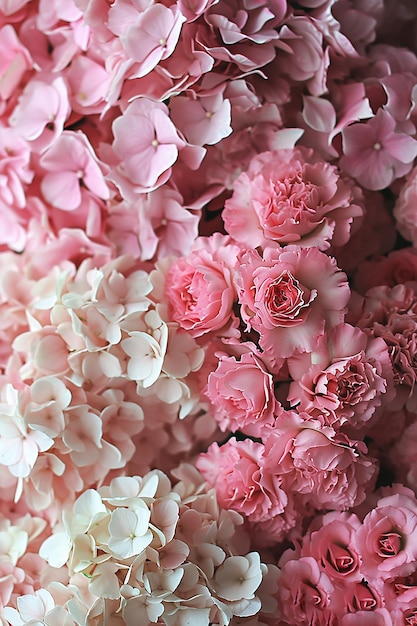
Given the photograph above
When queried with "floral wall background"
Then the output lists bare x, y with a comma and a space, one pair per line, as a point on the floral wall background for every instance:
208, 312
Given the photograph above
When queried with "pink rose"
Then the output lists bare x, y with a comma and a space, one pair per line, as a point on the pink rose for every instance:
304, 593
200, 287
324, 470
291, 196
242, 394
388, 537
289, 296
334, 547
344, 379
235, 470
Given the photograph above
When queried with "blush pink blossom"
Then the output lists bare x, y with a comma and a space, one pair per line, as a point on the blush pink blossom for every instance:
41, 112
325, 470
388, 537
344, 379
204, 120
71, 166
146, 144
153, 36
291, 196
15, 60
236, 471
375, 154
289, 296
405, 209
241, 393
200, 287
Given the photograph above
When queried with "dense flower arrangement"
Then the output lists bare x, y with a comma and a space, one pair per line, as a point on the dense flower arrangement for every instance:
208, 312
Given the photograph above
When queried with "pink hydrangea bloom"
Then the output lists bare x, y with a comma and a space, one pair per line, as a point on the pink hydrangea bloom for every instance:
289, 296
291, 196
146, 144
71, 166
375, 153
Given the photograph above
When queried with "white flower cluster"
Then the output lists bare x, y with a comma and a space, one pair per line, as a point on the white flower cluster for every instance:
149, 552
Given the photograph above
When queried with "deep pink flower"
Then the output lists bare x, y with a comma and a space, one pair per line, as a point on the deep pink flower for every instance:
375, 153
289, 296
291, 196
334, 547
304, 593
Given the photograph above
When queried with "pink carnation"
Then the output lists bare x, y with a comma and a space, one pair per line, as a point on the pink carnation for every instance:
200, 287
325, 470
344, 379
236, 471
289, 296
291, 196
242, 394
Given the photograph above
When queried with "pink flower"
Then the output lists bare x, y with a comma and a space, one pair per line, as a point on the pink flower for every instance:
236, 471
15, 60
388, 537
375, 153
200, 287
324, 470
304, 593
153, 36
241, 393
400, 266
289, 296
205, 120
291, 196
41, 112
146, 144
344, 379
334, 547
71, 166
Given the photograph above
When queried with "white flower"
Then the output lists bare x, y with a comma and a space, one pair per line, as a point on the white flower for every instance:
238, 577
129, 531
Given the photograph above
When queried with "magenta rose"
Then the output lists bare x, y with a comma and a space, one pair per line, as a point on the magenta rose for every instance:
289, 296
325, 470
334, 547
344, 379
241, 393
235, 470
291, 196
200, 286
304, 593
388, 537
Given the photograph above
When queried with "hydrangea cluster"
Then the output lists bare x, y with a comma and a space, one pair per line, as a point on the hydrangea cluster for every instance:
144, 551
208, 312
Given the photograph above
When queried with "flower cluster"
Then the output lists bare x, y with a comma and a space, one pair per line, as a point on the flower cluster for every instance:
148, 552
208, 312
352, 571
